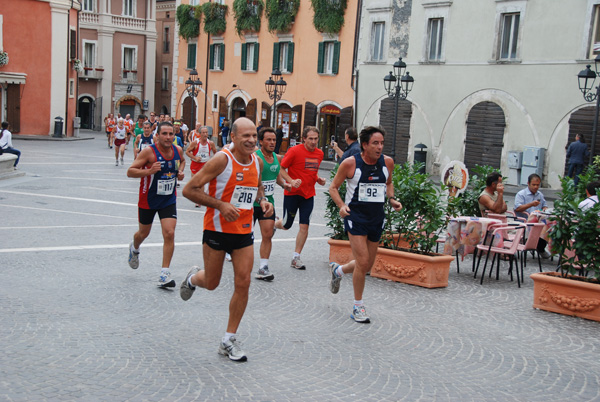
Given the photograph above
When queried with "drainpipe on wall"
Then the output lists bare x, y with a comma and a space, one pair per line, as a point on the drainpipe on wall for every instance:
354, 75
206, 73
77, 78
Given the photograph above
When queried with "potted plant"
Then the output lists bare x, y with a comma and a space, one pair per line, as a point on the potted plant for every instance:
248, 14
3, 58
189, 21
574, 237
406, 252
281, 14
214, 17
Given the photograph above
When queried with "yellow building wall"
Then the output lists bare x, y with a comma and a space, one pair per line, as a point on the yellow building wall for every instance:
304, 84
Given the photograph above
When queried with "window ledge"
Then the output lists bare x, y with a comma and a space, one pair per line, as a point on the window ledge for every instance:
375, 62
506, 61
433, 62
212, 70
327, 74
249, 71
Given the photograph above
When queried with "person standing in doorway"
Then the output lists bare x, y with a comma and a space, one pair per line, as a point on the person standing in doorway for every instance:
576, 154
225, 132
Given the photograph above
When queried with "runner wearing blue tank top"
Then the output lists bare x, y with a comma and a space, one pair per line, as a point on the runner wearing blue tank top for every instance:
159, 167
369, 182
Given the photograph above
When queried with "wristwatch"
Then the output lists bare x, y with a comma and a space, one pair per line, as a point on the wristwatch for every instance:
260, 199
392, 198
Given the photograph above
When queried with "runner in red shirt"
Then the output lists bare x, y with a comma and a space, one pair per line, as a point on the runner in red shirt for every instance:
302, 162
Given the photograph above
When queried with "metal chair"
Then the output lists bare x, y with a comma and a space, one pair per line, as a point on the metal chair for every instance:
510, 250
530, 244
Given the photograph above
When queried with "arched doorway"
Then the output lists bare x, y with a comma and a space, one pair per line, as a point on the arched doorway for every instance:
485, 135
188, 115
164, 110
127, 107
329, 119
582, 122
386, 120
238, 108
86, 112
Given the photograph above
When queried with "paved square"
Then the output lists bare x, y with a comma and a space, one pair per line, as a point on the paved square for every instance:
79, 324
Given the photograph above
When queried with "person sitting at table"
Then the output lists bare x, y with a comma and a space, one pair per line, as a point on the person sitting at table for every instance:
528, 200
492, 197
592, 197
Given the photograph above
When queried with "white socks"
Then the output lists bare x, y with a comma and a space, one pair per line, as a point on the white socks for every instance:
264, 262
227, 336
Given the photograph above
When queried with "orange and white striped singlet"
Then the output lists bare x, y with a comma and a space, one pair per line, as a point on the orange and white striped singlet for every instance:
237, 184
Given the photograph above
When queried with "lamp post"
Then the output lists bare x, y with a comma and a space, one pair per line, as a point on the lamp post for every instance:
193, 85
275, 87
397, 90
587, 78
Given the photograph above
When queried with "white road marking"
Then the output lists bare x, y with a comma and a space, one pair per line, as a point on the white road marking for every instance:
69, 212
124, 246
135, 225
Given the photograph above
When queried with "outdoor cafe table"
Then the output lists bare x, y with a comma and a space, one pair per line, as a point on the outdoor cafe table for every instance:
464, 233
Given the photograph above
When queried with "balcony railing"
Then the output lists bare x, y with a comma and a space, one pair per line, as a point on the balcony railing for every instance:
128, 75
129, 23
90, 18
92, 73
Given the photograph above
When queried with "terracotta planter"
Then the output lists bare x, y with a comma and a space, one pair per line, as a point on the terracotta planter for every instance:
414, 269
551, 292
400, 266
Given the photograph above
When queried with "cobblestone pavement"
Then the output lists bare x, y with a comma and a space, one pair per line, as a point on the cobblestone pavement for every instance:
79, 324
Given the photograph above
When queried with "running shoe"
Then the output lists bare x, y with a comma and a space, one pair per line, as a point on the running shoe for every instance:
122, 162
334, 281
117, 162
185, 290
359, 314
232, 349
164, 280
134, 257
227, 257
264, 274
297, 263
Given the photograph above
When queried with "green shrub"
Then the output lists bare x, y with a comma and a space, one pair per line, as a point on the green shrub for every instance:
248, 14
188, 20
281, 14
329, 15
214, 18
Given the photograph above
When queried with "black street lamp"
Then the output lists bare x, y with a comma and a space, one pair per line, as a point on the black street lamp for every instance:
193, 89
275, 87
587, 78
397, 90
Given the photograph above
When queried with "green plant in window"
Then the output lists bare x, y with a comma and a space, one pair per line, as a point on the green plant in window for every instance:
248, 14
329, 15
214, 17
188, 20
281, 14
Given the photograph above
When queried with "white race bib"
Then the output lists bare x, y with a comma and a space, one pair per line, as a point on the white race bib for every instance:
144, 145
269, 186
165, 187
204, 157
243, 197
371, 192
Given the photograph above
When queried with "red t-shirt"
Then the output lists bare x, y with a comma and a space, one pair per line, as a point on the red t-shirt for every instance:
304, 165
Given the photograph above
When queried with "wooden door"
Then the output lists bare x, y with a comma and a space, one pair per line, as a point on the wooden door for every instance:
485, 135
13, 107
386, 120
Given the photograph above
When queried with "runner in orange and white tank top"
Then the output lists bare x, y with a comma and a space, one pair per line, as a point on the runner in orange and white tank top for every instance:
200, 151
238, 185
234, 178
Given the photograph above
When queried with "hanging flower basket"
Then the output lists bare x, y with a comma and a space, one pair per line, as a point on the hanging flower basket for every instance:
3, 58
77, 65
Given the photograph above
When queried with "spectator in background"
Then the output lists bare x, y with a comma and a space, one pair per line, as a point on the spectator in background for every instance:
6, 143
278, 138
492, 197
351, 138
528, 200
225, 131
592, 197
576, 153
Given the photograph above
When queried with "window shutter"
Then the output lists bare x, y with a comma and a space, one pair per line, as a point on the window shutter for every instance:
244, 55
290, 58
321, 57
336, 57
222, 57
276, 65
211, 57
73, 49
255, 63
191, 62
